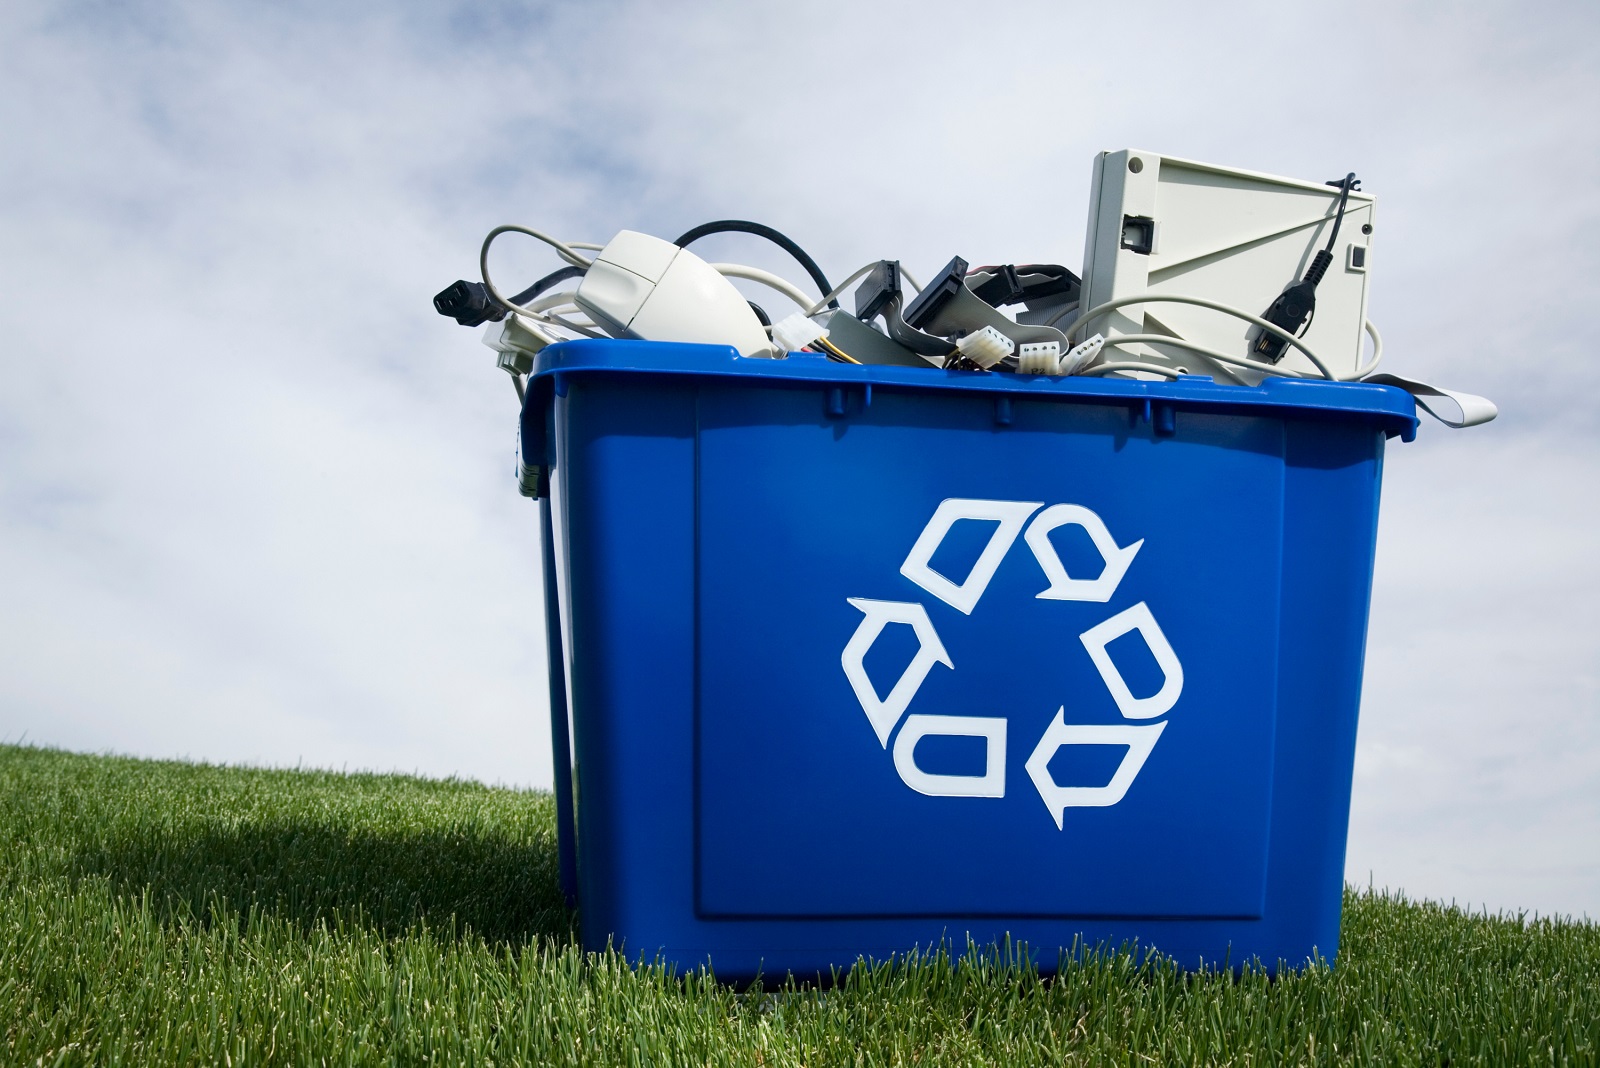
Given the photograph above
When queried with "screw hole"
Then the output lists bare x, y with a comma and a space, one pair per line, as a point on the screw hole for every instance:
1135, 164
1366, 228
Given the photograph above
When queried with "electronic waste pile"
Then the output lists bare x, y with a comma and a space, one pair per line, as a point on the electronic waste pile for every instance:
1189, 268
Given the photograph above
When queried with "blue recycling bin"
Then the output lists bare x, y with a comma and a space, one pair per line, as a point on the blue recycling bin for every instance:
847, 661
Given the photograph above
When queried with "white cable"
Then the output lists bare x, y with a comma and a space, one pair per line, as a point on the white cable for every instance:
566, 324
766, 278
912, 282
842, 286
549, 301
543, 311
561, 247
1201, 302
1377, 353
1130, 365
1210, 353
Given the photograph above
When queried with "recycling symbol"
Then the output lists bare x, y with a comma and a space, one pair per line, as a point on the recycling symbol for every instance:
887, 713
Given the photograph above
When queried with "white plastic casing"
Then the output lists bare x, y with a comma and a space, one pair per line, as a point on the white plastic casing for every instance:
1173, 226
643, 287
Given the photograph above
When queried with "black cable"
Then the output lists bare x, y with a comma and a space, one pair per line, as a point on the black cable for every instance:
1345, 186
742, 226
1296, 306
549, 281
469, 304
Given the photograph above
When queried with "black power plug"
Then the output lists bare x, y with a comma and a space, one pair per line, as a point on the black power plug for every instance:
468, 303
1298, 303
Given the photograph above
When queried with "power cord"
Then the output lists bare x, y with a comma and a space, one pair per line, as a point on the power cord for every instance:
1296, 305
1201, 302
783, 241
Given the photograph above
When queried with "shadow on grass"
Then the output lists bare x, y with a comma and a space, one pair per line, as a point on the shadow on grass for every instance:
454, 881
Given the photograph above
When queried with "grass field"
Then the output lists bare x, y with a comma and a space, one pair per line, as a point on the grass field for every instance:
165, 913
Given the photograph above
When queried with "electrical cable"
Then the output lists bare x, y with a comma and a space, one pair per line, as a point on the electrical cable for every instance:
783, 241
562, 248
835, 351
543, 309
1129, 365
556, 320
1204, 350
1172, 298
766, 278
549, 302
1296, 306
1377, 351
1345, 186
831, 298
555, 277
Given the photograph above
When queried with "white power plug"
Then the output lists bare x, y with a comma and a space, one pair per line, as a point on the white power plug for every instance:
643, 287
518, 341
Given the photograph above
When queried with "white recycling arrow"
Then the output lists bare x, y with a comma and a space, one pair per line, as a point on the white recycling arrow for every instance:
1010, 515
1138, 618
992, 783
1139, 740
884, 714
1062, 586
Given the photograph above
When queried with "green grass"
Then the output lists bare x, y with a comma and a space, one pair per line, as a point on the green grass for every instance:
166, 913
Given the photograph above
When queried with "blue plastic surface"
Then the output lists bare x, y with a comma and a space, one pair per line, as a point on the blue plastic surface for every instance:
861, 659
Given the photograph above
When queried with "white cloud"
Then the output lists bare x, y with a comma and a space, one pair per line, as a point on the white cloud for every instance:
255, 500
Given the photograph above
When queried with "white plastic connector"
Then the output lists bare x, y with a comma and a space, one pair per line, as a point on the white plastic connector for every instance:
795, 333
1080, 354
518, 341
1039, 358
985, 347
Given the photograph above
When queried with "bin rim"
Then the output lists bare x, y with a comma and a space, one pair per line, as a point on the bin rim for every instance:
1391, 408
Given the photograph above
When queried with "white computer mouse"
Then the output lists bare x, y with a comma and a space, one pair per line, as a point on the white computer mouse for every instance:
643, 287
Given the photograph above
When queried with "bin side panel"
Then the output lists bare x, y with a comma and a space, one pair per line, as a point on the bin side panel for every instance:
1330, 535
626, 468
806, 812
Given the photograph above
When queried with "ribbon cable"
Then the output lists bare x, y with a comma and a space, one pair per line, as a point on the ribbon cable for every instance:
1475, 410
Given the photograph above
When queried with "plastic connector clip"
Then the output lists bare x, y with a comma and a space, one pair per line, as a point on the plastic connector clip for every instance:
795, 332
877, 289
517, 341
1002, 288
946, 284
985, 347
1039, 358
1078, 357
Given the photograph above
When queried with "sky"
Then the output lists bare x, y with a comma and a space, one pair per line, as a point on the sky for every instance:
257, 502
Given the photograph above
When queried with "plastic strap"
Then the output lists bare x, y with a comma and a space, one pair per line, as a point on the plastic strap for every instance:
1475, 410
